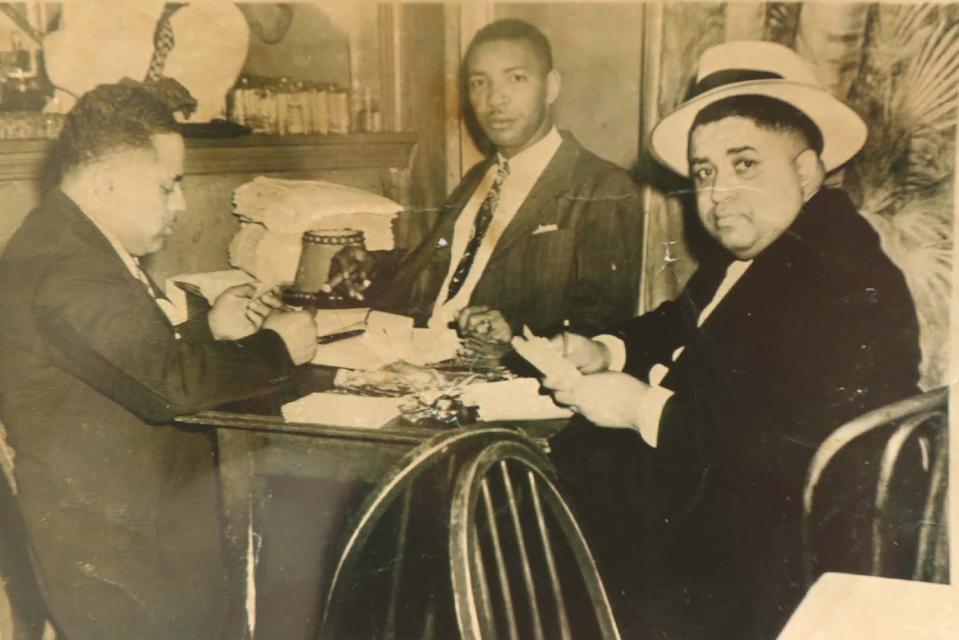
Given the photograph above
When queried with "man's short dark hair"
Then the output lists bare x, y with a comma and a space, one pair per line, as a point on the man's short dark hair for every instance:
512, 29
112, 117
768, 113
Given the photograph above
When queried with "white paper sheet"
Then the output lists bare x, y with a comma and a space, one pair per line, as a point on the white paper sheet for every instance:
376, 349
336, 320
209, 284
541, 354
341, 410
517, 399
842, 605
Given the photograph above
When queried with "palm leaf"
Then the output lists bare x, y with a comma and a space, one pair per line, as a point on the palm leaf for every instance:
908, 92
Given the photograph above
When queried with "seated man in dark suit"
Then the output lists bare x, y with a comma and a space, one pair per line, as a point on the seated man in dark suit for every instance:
539, 233
120, 504
797, 325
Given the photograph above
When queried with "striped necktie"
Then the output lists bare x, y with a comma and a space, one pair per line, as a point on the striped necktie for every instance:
480, 225
151, 287
163, 43
170, 310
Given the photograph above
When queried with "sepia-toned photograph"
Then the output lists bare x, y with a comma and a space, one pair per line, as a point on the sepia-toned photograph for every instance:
397, 320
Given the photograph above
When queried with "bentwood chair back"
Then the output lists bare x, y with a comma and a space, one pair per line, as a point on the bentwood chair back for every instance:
521, 567
914, 447
392, 579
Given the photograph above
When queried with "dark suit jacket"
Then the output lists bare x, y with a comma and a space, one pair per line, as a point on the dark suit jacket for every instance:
121, 506
586, 271
820, 329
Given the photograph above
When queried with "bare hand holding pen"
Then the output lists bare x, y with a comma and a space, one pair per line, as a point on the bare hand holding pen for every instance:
238, 312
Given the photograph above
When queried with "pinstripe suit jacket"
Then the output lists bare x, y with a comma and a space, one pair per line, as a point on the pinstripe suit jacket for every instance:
586, 270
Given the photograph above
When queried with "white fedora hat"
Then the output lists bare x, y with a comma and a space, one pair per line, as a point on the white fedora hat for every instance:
765, 69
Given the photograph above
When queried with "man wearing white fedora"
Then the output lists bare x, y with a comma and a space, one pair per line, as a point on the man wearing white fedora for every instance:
798, 323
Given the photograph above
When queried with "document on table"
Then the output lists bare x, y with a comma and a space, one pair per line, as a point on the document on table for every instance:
343, 410
388, 338
517, 399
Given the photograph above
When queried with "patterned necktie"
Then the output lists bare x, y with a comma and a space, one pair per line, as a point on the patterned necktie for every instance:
480, 225
147, 281
162, 43
170, 310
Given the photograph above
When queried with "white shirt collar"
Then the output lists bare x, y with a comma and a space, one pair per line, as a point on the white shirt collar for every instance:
531, 161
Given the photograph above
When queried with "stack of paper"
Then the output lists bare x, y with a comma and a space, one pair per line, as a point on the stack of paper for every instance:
293, 206
276, 212
517, 399
341, 410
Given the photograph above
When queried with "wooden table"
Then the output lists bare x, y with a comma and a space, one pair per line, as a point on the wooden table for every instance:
256, 444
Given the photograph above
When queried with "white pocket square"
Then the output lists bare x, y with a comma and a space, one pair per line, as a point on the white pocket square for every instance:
545, 228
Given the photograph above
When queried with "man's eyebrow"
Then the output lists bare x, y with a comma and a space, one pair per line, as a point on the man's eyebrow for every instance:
735, 150
694, 161
518, 67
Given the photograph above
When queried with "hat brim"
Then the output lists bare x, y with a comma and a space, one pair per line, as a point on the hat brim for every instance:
843, 131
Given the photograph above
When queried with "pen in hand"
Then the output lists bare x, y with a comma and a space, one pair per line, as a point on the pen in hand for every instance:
565, 337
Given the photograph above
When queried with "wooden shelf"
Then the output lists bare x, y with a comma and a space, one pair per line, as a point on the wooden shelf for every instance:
25, 159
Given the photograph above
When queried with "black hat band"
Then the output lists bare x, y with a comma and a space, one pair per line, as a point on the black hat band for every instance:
730, 76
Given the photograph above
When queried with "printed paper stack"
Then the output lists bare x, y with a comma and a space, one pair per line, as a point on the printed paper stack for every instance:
274, 213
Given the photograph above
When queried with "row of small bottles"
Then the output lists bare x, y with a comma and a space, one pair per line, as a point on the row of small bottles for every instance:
284, 107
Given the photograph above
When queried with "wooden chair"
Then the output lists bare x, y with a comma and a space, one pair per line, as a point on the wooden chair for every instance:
521, 567
920, 421
393, 567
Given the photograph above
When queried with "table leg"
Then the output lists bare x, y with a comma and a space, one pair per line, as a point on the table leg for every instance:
236, 494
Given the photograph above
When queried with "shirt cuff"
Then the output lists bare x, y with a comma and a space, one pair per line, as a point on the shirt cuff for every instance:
617, 351
649, 413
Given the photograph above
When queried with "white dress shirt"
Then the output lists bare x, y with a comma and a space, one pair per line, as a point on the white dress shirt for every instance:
175, 314
525, 168
651, 409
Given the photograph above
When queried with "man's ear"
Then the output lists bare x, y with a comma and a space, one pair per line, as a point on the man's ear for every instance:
810, 171
554, 82
101, 180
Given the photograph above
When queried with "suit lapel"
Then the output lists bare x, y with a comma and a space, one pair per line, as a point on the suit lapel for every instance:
543, 197
422, 272
86, 231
